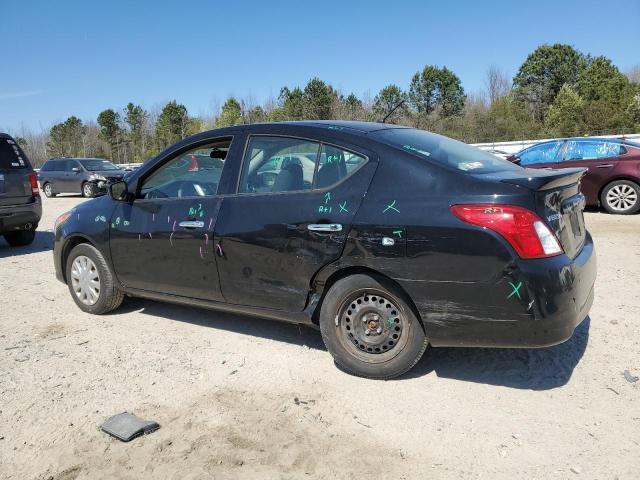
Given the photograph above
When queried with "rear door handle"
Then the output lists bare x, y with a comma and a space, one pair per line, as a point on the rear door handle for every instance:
191, 224
608, 165
324, 227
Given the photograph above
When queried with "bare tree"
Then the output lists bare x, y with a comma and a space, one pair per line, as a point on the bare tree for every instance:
633, 74
497, 83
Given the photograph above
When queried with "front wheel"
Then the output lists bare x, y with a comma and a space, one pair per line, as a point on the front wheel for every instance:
370, 329
88, 190
622, 197
90, 281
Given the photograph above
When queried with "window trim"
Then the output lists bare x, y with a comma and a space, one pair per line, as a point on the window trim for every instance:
297, 137
140, 181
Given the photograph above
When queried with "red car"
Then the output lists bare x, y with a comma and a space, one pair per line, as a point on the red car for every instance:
613, 177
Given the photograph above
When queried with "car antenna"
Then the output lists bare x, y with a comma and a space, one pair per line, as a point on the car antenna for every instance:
392, 110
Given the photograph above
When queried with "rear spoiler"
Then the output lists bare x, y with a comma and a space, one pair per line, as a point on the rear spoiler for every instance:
547, 179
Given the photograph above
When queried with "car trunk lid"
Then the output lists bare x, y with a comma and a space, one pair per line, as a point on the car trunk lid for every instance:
558, 201
15, 187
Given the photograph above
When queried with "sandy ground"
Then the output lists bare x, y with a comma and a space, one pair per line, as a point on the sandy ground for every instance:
239, 397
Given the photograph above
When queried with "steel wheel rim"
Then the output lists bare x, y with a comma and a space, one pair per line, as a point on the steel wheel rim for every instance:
622, 197
85, 280
382, 316
87, 190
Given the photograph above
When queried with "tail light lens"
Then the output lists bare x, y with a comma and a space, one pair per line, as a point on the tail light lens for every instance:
524, 230
33, 180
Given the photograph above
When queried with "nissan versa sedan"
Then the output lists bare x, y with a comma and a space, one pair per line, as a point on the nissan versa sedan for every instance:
613, 168
396, 239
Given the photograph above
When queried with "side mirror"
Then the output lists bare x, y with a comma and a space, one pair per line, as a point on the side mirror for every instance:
75, 169
119, 191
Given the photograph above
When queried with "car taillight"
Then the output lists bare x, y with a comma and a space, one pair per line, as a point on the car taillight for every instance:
524, 230
33, 180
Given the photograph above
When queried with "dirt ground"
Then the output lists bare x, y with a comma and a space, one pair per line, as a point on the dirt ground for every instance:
239, 397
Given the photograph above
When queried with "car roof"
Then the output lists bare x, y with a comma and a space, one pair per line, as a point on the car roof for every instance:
78, 158
5, 135
362, 127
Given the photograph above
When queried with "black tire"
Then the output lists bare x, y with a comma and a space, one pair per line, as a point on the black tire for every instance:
355, 305
621, 197
109, 297
47, 188
88, 190
20, 238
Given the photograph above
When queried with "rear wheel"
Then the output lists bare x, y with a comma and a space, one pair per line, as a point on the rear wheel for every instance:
370, 329
90, 281
88, 190
48, 190
20, 238
622, 197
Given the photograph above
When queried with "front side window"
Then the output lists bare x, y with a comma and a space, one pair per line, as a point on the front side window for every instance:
545, 153
195, 173
97, 165
590, 150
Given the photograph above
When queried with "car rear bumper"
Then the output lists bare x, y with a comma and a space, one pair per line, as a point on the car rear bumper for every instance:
538, 304
17, 217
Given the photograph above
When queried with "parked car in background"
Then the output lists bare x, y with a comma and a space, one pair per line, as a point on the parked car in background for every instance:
395, 239
499, 153
88, 176
613, 168
20, 205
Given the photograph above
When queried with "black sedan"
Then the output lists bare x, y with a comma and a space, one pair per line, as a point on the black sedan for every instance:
387, 238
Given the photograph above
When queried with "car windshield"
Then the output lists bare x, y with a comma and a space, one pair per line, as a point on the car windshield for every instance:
97, 165
444, 150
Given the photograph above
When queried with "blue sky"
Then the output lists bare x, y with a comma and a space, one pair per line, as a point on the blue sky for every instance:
64, 58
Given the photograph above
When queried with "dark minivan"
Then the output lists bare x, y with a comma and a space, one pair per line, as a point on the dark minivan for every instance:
387, 238
87, 176
20, 206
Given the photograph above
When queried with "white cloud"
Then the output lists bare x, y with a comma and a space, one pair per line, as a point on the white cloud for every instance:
12, 95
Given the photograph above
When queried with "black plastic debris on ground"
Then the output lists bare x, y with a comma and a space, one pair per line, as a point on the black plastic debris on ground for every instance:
126, 426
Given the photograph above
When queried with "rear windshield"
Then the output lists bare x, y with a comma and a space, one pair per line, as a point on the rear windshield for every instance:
97, 165
11, 156
444, 150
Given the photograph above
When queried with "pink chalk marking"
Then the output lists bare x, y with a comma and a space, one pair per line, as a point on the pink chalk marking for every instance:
210, 222
150, 236
171, 239
206, 239
174, 226
201, 256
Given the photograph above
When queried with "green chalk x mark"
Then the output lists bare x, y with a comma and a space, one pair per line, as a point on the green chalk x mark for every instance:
343, 207
391, 206
515, 290
398, 232
327, 197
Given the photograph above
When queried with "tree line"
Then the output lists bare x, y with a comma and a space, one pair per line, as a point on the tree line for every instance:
558, 91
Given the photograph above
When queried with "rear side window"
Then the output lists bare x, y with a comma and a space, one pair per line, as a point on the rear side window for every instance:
591, 150
443, 150
335, 164
11, 156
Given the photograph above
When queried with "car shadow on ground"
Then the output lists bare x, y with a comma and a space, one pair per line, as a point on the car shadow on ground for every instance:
42, 242
524, 368
243, 324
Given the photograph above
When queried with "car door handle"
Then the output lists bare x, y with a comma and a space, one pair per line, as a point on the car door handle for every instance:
324, 227
191, 224
607, 165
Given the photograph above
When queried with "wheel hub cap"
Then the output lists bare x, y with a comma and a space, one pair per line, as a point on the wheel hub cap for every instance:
371, 323
622, 197
85, 280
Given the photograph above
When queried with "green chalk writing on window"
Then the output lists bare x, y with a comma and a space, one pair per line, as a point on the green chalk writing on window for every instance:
391, 206
343, 207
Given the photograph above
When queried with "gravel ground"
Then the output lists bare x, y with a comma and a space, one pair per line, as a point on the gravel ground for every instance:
238, 397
